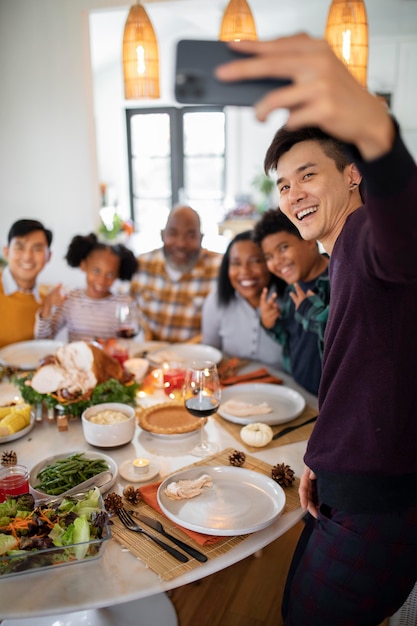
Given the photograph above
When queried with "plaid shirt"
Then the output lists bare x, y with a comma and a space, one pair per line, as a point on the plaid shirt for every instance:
172, 308
296, 329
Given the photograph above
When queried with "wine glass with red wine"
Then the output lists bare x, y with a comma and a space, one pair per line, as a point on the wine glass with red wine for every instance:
127, 325
202, 393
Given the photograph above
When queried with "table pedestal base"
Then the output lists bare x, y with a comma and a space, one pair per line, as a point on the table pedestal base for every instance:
156, 609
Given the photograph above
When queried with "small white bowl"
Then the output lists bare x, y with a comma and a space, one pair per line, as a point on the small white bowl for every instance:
109, 435
137, 367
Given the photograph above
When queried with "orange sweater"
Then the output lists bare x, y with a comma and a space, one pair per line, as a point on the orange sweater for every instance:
17, 316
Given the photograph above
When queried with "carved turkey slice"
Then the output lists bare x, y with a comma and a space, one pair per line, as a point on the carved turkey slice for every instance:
184, 489
77, 368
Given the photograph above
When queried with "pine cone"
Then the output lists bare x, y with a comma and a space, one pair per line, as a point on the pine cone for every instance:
282, 474
112, 502
9, 457
132, 495
237, 458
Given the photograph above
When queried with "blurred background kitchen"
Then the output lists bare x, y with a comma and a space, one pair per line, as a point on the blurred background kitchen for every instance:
64, 128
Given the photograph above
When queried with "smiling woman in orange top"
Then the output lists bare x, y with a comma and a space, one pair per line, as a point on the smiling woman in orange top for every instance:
27, 252
231, 320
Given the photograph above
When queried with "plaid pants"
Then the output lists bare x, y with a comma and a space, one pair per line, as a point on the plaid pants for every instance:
351, 569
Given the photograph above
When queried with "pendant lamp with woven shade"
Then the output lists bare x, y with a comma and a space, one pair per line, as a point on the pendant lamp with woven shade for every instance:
238, 23
140, 56
347, 34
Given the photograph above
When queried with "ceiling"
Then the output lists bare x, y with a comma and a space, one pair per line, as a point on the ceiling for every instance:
174, 19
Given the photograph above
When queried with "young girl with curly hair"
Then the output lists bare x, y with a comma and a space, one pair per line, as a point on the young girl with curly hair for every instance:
90, 312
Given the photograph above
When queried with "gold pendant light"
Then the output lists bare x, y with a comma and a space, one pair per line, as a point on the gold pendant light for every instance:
347, 34
238, 22
140, 56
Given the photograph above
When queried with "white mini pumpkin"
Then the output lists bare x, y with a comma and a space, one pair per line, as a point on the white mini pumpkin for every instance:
256, 434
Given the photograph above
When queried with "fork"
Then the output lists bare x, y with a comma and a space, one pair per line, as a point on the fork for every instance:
130, 524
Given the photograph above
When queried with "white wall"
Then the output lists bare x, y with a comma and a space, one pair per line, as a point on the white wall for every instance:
47, 117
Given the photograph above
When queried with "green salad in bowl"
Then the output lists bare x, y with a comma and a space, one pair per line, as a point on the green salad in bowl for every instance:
52, 532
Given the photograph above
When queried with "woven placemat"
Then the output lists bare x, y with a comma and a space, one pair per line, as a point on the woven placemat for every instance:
162, 563
301, 434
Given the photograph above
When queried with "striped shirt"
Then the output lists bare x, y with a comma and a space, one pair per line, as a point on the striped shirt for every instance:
85, 318
172, 307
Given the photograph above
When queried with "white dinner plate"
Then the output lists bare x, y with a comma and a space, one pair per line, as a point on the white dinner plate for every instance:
143, 348
286, 403
240, 501
186, 352
9, 393
25, 355
87, 454
20, 433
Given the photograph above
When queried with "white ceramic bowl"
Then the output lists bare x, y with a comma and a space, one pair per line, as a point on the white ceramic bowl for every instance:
137, 367
109, 435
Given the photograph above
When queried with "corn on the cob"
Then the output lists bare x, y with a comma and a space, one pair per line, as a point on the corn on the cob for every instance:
17, 418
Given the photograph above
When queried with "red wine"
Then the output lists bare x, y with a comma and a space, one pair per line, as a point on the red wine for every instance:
201, 407
127, 332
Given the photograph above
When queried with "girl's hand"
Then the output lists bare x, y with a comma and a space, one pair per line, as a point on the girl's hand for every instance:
298, 295
54, 298
269, 308
308, 492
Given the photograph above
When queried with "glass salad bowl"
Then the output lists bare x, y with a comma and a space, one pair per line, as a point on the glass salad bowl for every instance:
52, 532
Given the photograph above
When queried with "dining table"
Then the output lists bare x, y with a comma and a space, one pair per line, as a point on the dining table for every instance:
118, 578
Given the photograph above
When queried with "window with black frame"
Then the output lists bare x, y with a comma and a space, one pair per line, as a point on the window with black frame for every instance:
175, 155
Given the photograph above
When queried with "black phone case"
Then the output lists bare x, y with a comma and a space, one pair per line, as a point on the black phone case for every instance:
195, 82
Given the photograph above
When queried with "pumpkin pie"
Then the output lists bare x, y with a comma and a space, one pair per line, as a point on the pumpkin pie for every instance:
169, 419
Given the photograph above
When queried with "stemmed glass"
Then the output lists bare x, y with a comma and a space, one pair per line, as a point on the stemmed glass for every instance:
202, 394
127, 325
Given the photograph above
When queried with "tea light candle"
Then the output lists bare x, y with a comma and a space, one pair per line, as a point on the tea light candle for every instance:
141, 465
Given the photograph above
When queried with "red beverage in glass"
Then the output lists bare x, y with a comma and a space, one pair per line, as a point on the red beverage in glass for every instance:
120, 354
173, 381
14, 481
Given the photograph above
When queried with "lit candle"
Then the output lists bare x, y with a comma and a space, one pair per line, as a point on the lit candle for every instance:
141, 466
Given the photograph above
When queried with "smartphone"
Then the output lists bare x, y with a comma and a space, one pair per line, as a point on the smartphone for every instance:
195, 82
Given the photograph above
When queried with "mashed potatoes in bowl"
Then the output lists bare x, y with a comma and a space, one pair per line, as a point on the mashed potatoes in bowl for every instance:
109, 424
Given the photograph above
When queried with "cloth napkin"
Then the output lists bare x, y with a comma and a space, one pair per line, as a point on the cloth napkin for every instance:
148, 493
260, 375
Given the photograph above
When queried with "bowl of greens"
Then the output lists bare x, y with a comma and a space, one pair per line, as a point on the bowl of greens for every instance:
52, 532
57, 474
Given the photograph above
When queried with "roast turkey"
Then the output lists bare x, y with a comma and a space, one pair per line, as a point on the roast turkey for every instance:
75, 369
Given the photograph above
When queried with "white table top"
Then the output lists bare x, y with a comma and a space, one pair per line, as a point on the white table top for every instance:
118, 576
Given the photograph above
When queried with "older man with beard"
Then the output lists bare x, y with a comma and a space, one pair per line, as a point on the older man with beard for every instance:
173, 281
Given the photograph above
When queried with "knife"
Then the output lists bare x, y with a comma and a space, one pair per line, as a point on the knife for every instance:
289, 429
153, 523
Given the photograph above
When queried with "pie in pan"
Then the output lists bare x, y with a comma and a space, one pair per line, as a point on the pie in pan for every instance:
169, 419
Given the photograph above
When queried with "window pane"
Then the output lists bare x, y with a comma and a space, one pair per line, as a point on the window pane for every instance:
151, 135
151, 176
204, 133
204, 177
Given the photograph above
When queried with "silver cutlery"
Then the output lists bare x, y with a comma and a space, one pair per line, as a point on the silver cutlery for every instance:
130, 524
156, 525
289, 429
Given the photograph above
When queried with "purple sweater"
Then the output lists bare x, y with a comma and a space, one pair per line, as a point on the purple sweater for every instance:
364, 445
